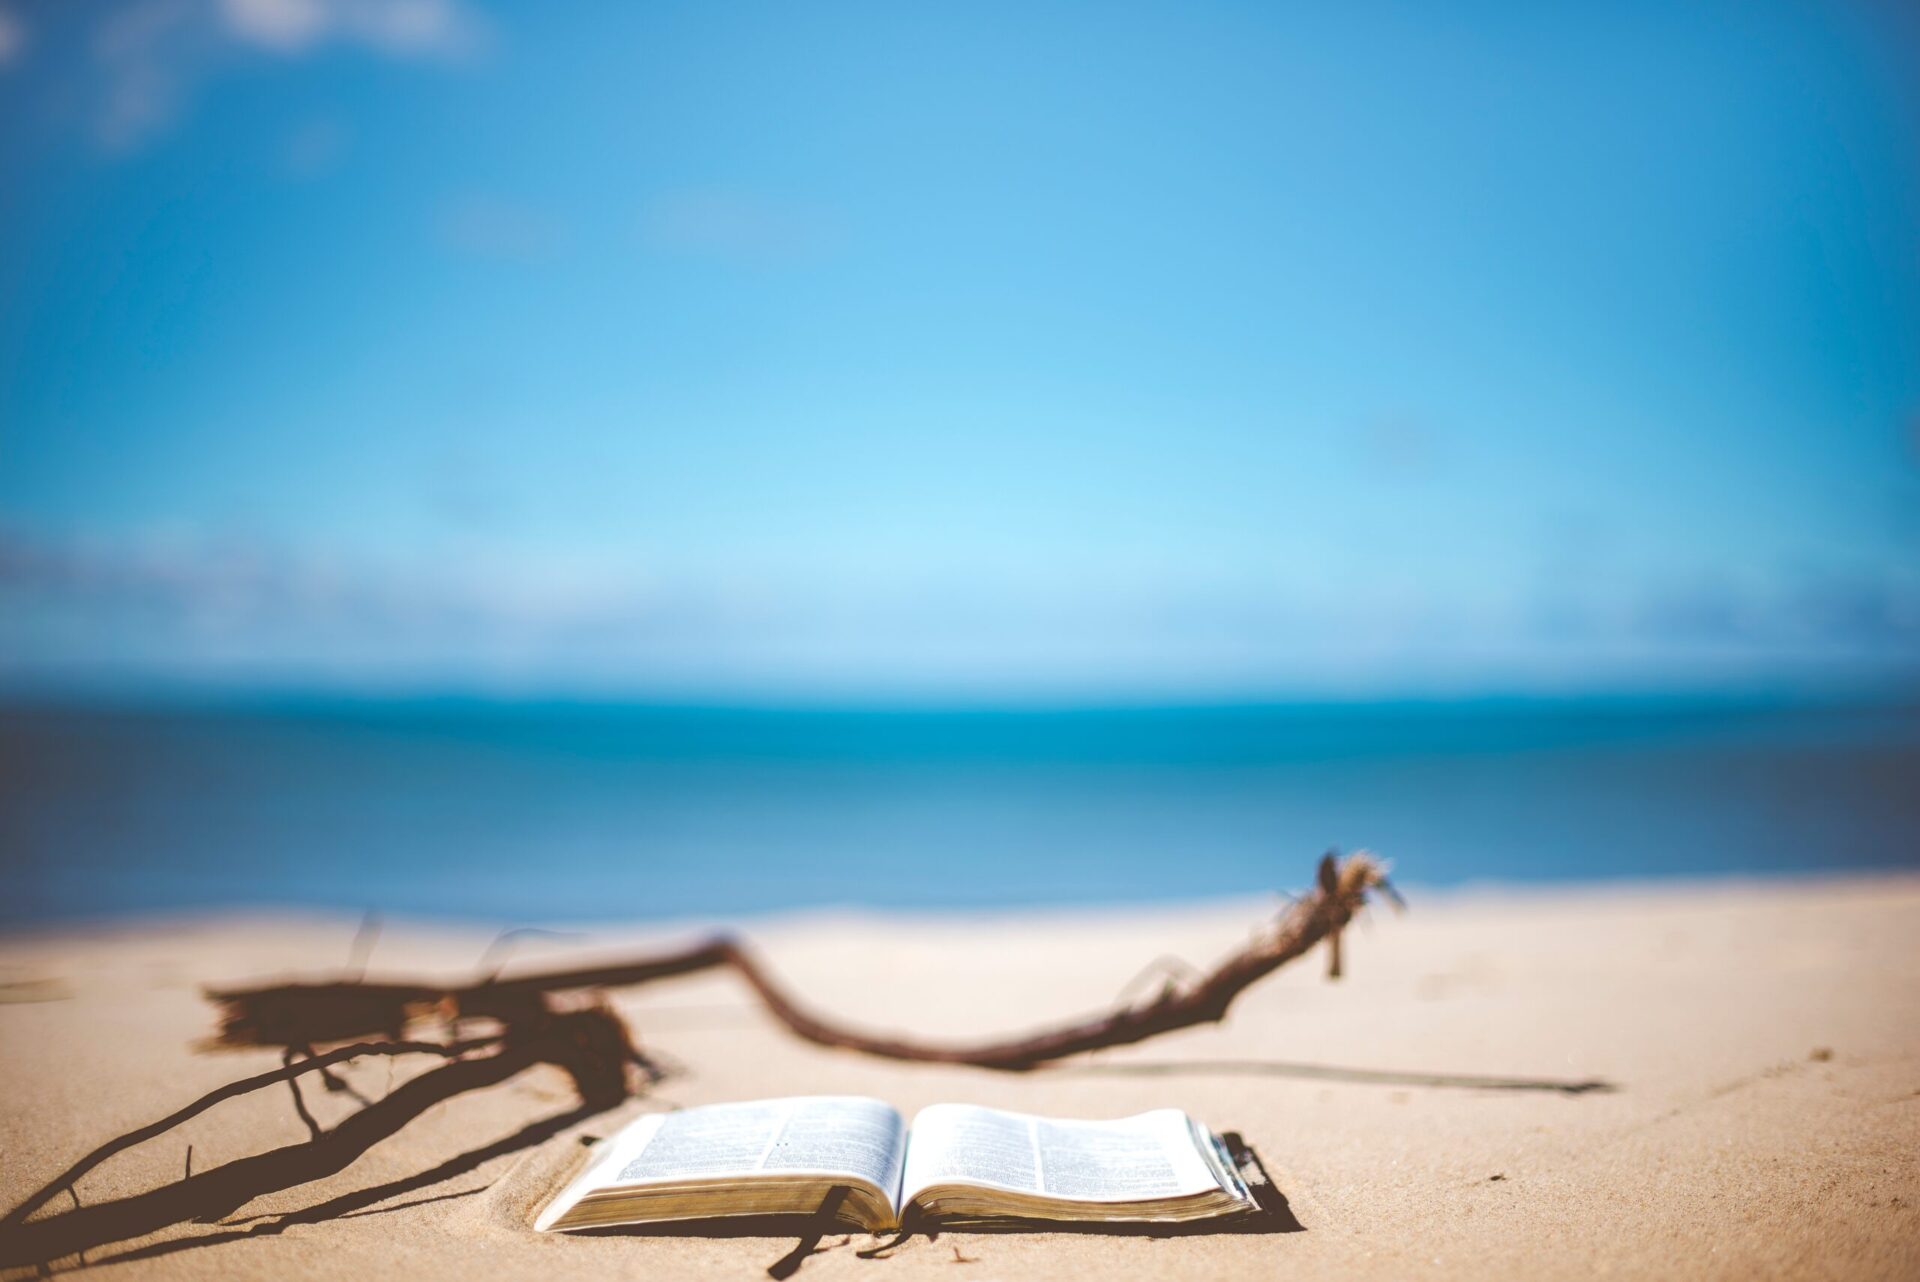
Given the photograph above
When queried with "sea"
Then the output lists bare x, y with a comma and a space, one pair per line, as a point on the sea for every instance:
529, 812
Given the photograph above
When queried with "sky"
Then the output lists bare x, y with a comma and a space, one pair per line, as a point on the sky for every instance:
961, 351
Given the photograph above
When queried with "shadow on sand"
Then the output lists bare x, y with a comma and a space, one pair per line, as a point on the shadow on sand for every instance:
73, 1234
1339, 1073
108, 1223
591, 1046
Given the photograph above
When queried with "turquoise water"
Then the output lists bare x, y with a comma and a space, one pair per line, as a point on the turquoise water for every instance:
528, 812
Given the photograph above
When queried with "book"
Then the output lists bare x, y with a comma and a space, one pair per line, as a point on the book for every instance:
857, 1161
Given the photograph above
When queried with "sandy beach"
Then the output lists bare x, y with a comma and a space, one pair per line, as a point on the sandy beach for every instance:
1757, 1046
562, 565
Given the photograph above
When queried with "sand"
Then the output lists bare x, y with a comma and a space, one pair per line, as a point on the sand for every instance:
1762, 1042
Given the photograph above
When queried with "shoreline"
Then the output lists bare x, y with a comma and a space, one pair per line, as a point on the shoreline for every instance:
1471, 891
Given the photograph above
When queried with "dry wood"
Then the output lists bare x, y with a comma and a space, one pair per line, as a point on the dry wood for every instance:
304, 1014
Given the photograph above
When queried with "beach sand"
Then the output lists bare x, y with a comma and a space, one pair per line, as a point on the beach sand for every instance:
1761, 1042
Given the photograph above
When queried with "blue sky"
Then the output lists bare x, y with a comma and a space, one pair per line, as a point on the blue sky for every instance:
959, 350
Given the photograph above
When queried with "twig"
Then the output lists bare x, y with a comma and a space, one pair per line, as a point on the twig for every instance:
507, 940
361, 949
1171, 971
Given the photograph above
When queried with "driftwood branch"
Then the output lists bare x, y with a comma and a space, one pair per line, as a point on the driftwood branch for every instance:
303, 1014
1321, 914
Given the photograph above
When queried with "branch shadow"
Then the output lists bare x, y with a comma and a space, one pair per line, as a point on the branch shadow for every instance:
591, 1046
1341, 1073
356, 1204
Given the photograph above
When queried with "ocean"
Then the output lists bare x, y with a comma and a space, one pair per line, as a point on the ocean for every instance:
532, 812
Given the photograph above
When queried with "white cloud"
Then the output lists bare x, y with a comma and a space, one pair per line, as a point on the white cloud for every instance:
186, 602
399, 27
316, 148
289, 25
141, 51
488, 227
150, 55
13, 37
733, 226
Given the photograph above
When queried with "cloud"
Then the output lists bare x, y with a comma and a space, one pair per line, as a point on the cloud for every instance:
1400, 448
504, 230
733, 226
399, 27
193, 604
1707, 610
184, 605
315, 149
150, 56
13, 37
1859, 611
195, 577
142, 53
1830, 622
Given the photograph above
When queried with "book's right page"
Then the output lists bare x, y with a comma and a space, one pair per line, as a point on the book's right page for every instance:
1152, 1158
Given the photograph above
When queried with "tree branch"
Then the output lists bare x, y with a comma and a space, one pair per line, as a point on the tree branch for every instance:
281, 1013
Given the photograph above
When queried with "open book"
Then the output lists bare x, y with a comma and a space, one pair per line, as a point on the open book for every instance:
958, 1163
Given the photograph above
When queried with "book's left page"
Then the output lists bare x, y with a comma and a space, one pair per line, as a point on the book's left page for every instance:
736, 1159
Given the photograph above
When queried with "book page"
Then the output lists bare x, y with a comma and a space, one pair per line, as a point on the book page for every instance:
826, 1134
971, 1144
1149, 1156
1152, 1155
